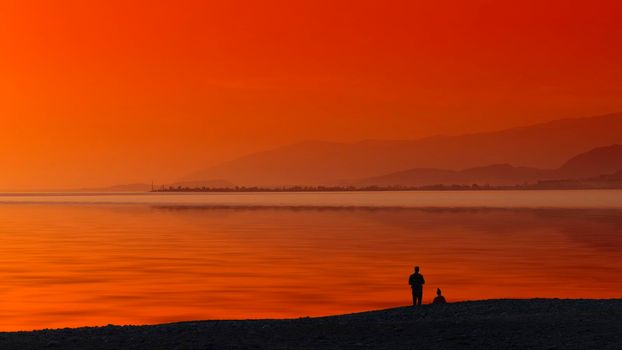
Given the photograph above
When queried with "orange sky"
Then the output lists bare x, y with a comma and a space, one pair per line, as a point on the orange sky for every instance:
106, 92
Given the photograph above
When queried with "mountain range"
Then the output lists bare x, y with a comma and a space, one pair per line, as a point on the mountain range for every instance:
540, 151
594, 163
567, 149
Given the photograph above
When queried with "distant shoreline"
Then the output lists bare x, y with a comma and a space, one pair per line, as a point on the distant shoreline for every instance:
584, 199
381, 189
292, 190
490, 324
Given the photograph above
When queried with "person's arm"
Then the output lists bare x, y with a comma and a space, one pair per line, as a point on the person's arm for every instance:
422, 280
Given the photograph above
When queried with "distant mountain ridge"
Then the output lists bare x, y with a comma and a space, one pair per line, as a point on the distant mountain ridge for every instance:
594, 163
598, 168
540, 146
599, 161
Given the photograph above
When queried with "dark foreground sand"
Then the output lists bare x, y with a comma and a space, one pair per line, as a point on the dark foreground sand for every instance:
490, 324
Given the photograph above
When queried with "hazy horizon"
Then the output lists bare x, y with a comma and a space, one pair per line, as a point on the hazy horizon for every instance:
185, 172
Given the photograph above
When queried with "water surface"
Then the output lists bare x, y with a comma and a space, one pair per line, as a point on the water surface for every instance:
75, 262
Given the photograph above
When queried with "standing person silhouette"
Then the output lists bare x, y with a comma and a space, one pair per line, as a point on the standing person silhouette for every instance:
416, 282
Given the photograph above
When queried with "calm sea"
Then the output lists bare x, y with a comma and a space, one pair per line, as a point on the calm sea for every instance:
92, 259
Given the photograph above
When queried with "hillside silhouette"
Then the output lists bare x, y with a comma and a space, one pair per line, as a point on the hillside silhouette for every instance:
540, 146
599, 161
596, 165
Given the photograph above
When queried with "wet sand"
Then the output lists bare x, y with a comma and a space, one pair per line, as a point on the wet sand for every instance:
492, 324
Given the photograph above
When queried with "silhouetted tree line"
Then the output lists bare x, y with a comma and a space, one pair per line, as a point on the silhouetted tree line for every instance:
321, 188
542, 185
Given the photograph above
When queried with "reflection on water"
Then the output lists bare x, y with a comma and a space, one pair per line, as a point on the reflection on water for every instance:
75, 265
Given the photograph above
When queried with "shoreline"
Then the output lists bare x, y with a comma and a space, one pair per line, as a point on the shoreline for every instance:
495, 323
584, 199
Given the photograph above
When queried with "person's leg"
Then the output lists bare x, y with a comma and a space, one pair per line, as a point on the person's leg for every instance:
419, 298
414, 299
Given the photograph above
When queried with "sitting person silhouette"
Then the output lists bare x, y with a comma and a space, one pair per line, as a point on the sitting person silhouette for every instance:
439, 298
416, 282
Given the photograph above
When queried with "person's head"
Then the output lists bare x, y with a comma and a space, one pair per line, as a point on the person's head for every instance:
438, 292
416, 268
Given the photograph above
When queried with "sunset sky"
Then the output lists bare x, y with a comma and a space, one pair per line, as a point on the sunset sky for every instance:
109, 92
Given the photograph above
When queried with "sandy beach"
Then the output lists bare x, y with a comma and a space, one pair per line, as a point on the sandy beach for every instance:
488, 324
